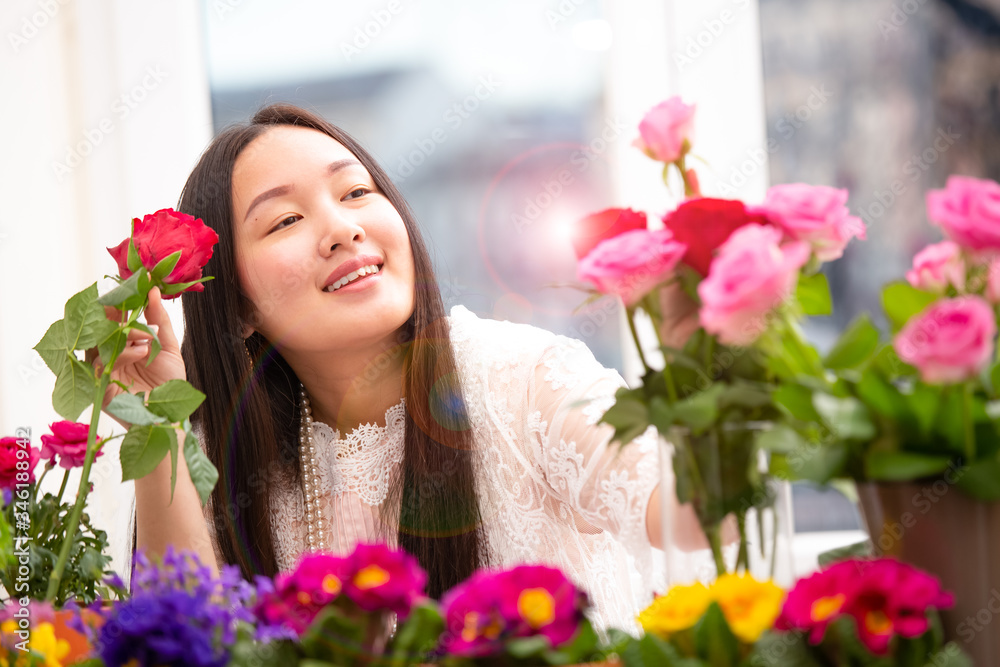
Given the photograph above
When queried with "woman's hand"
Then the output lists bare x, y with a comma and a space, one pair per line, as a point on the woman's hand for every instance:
130, 368
680, 316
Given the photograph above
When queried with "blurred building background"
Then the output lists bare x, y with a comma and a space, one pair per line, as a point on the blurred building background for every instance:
502, 122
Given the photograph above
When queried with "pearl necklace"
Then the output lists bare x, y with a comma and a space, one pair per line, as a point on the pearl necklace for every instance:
315, 528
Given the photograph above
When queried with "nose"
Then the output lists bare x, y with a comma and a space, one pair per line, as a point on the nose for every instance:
339, 230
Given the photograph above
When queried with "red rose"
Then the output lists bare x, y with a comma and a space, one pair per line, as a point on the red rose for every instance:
163, 233
12, 453
69, 442
704, 224
603, 225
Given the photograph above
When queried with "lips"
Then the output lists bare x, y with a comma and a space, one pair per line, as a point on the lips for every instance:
351, 266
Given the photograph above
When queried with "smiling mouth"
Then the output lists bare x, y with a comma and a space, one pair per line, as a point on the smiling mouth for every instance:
354, 276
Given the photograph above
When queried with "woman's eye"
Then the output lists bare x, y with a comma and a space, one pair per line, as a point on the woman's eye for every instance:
355, 191
287, 221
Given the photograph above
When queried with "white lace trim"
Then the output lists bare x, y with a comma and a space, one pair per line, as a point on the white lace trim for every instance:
363, 462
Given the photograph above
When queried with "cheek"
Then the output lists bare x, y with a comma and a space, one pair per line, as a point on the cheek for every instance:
274, 277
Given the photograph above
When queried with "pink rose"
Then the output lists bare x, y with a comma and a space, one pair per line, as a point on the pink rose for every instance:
160, 235
751, 274
950, 341
968, 211
937, 266
816, 214
631, 264
12, 453
665, 130
69, 442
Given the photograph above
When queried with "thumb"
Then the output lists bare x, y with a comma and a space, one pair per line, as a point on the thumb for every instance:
157, 315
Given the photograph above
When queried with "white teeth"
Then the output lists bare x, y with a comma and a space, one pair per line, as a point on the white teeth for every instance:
354, 275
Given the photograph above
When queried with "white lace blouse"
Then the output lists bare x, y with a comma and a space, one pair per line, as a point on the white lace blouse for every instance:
554, 491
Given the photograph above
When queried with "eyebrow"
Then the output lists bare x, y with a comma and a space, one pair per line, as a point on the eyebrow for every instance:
282, 190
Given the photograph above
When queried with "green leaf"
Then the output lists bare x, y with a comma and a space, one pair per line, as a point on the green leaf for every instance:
175, 400
651, 651
132, 259
143, 448
813, 294
847, 417
54, 348
782, 439
580, 649
797, 400
122, 291
177, 288
882, 397
981, 480
203, 473
863, 549
85, 321
418, 635
333, 636
816, 463
858, 342
130, 408
902, 301
526, 647
714, 639
165, 266
154, 345
74, 390
885, 466
112, 345
699, 411
783, 649
629, 415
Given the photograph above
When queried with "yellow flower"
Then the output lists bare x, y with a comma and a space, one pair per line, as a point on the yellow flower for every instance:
678, 610
750, 606
42, 644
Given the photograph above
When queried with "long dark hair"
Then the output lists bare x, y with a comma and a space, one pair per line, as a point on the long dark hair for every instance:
250, 416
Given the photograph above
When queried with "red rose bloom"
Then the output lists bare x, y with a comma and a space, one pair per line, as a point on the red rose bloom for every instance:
69, 442
604, 225
9, 458
704, 224
160, 235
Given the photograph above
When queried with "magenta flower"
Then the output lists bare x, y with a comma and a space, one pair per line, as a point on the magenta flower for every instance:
298, 596
384, 578
473, 625
540, 600
968, 211
12, 453
69, 442
666, 129
632, 263
817, 600
950, 341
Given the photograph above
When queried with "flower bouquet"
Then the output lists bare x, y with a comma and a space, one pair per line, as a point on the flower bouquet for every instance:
725, 285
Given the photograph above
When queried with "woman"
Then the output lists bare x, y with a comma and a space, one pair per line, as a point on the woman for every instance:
465, 444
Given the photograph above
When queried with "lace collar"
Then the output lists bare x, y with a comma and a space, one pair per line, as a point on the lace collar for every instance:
362, 462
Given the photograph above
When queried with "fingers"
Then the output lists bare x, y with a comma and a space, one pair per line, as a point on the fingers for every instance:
156, 316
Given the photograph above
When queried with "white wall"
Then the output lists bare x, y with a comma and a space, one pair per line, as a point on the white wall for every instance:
105, 111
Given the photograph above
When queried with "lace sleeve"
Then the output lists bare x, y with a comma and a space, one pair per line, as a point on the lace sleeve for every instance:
607, 486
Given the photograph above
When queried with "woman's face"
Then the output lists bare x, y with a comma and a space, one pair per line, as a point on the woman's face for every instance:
304, 207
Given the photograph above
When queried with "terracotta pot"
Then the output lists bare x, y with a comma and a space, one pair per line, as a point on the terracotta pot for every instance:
938, 528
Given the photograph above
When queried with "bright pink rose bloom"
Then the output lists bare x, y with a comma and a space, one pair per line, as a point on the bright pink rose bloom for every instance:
937, 266
69, 442
384, 578
703, 224
300, 595
817, 600
473, 625
11, 453
163, 233
603, 225
968, 211
816, 214
631, 264
751, 275
665, 129
950, 341
539, 600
